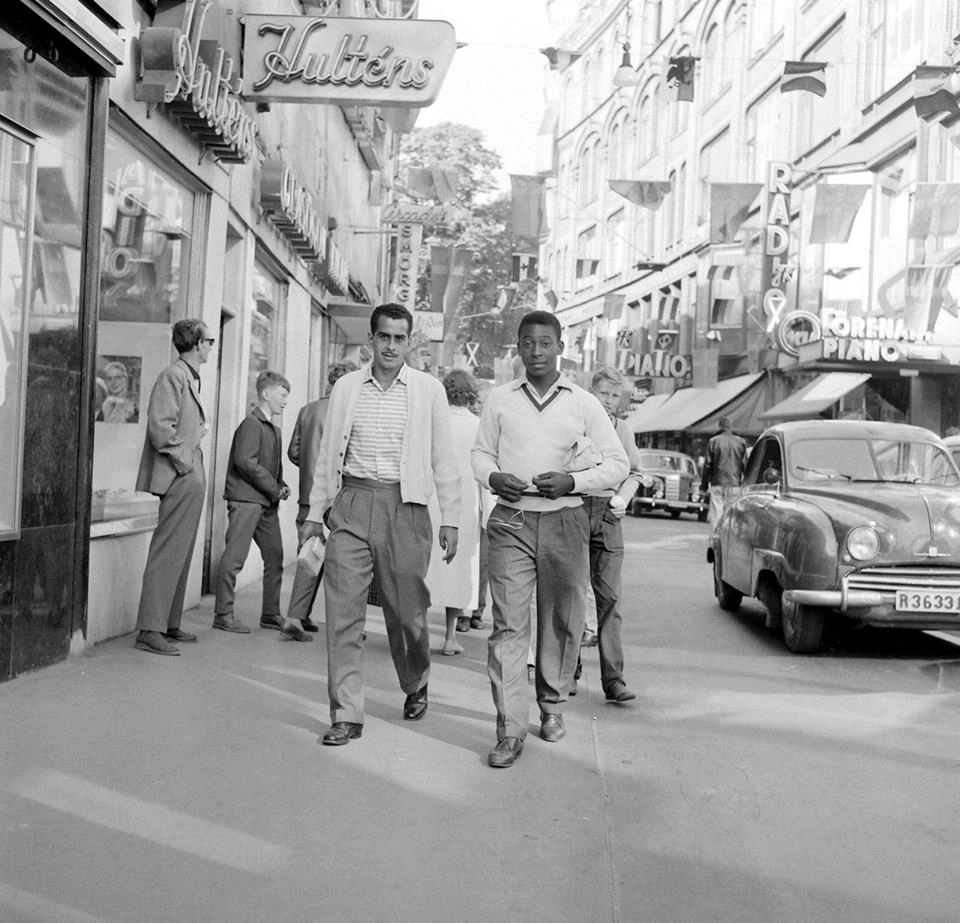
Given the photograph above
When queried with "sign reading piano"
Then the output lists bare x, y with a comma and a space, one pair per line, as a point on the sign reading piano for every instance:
345, 62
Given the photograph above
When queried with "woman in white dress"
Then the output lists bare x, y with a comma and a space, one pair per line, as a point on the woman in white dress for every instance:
455, 585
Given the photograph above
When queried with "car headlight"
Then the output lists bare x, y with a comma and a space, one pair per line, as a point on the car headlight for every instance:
658, 490
863, 543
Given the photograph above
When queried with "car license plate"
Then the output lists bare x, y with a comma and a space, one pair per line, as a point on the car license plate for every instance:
927, 601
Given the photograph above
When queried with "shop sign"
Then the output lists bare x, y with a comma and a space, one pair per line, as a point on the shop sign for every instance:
332, 271
195, 78
293, 211
872, 339
776, 269
659, 364
344, 61
409, 237
408, 213
428, 325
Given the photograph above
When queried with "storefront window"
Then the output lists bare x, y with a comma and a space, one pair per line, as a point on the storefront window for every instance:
146, 238
267, 320
16, 197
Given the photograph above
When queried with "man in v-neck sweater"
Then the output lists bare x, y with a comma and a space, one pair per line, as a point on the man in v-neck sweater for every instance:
543, 441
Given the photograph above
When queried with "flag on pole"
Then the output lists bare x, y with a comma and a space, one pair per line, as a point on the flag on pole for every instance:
730, 206
647, 193
448, 267
560, 59
936, 210
835, 209
806, 76
932, 93
527, 209
432, 183
678, 84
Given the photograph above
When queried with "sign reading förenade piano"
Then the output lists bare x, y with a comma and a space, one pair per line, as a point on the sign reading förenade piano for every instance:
345, 62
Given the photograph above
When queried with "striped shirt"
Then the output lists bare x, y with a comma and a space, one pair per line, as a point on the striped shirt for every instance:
376, 439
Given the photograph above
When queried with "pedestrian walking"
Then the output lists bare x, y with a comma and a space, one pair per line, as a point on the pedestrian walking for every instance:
303, 451
455, 584
723, 469
171, 466
253, 490
386, 446
605, 509
542, 442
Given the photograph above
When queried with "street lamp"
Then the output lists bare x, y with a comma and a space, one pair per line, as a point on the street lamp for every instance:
625, 75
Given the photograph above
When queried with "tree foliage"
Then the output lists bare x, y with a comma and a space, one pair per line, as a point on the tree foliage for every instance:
485, 229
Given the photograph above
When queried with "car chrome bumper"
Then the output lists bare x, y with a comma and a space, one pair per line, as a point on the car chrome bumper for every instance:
838, 599
873, 608
659, 503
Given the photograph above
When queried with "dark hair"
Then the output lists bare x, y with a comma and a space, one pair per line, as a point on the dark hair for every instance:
393, 312
461, 388
543, 318
267, 378
339, 369
188, 333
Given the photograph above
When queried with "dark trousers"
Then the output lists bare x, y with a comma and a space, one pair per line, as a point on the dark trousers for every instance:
606, 568
547, 551
171, 549
305, 583
374, 534
482, 588
250, 522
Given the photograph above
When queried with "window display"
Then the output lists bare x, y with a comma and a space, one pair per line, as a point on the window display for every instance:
146, 239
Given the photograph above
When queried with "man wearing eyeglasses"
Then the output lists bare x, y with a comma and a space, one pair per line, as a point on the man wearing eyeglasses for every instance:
172, 468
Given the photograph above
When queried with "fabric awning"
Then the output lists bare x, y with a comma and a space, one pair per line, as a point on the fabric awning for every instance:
646, 409
744, 412
690, 406
823, 392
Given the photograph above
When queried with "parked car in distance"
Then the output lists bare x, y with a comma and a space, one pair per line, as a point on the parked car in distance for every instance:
671, 482
843, 520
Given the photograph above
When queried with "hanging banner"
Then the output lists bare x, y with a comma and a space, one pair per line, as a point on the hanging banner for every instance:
405, 278
345, 62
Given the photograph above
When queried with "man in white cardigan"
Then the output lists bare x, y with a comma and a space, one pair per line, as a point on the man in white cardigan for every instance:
386, 445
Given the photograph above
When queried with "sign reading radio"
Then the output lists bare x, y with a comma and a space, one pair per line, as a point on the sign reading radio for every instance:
776, 269
195, 79
345, 62
292, 211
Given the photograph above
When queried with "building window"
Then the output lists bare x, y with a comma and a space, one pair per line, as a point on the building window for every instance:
715, 165
17, 188
670, 210
726, 300
713, 65
766, 21
894, 43
589, 168
615, 252
147, 236
267, 324
818, 118
588, 262
764, 142
615, 152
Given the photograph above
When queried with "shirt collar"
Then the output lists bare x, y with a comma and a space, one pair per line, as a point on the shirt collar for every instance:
402, 375
193, 371
561, 382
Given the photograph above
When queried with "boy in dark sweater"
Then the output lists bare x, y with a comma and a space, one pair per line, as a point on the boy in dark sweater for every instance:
253, 491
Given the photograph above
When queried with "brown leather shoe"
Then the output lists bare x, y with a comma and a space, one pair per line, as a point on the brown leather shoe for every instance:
177, 634
230, 623
505, 753
551, 727
618, 692
415, 705
271, 621
292, 630
155, 643
342, 732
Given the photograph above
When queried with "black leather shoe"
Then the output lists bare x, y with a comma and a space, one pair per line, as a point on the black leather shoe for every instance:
155, 643
463, 623
177, 634
342, 732
308, 624
551, 728
573, 686
415, 706
271, 621
505, 753
618, 692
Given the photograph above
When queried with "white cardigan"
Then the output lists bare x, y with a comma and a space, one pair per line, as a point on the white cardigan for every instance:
426, 458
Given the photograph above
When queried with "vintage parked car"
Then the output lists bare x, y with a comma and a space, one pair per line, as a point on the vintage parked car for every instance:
843, 519
671, 482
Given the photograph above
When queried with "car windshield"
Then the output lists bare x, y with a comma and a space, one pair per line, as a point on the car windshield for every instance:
902, 460
663, 462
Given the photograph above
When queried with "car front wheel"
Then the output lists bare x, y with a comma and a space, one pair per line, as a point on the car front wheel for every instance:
728, 598
802, 627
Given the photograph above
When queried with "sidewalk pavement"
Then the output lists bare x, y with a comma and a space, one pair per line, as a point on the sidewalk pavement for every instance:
195, 788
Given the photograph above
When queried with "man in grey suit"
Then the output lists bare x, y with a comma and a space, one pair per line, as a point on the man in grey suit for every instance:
172, 468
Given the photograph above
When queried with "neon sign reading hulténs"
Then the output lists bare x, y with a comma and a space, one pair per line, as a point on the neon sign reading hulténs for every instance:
345, 61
